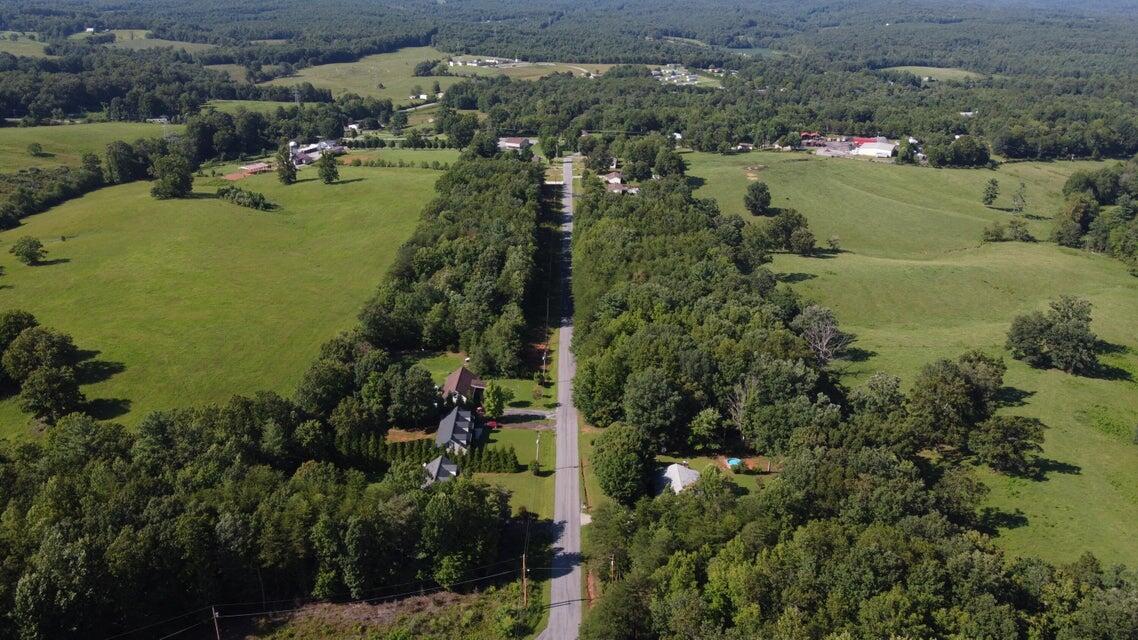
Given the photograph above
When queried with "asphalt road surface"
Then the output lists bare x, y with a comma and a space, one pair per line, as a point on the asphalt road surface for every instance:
565, 607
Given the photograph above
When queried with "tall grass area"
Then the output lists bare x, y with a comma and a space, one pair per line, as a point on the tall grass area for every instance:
199, 299
914, 283
66, 144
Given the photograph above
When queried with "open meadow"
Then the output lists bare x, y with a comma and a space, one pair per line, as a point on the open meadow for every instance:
914, 283
66, 144
191, 301
394, 71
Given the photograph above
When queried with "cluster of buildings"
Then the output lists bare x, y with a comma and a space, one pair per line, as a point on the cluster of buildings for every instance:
614, 183
459, 429
310, 153
675, 74
481, 62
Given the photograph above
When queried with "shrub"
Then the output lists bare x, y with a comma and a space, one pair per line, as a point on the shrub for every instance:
245, 198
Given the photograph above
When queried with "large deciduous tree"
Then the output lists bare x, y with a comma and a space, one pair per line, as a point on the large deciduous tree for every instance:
758, 198
623, 462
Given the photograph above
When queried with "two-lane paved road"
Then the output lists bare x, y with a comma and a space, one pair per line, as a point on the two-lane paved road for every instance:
565, 608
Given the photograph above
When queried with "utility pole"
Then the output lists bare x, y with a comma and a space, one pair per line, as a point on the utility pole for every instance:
216, 628
525, 580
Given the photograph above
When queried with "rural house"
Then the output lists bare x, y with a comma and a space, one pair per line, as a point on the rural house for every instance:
514, 143
613, 177
463, 387
676, 477
457, 431
441, 469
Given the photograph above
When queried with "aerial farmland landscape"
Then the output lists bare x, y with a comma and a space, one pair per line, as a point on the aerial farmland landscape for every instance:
484, 319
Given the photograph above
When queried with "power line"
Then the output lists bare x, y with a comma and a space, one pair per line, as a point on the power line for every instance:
155, 624
182, 630
371, 597
368, 600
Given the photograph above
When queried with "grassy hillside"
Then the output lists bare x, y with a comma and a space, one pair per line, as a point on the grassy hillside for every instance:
66, 144
23, 45
199, 299
393, 70
915, 284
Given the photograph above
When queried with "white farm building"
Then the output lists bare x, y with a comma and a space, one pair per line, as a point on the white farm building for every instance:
875, 149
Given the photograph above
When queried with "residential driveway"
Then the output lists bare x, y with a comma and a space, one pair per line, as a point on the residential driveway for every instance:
565, 607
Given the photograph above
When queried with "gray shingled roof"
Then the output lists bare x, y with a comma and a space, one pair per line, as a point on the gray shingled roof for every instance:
456, 428
440, 469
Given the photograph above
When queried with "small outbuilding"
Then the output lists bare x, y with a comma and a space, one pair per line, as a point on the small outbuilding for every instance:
876, 149
514, 143
441, 469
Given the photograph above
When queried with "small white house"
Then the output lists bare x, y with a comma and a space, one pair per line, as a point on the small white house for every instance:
676, 477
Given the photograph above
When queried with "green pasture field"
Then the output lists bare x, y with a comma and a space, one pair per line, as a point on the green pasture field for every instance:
66, 144
198, 299
235, 71
23, 45
262, 106
914, 283
393, 70
939, 73
136, 39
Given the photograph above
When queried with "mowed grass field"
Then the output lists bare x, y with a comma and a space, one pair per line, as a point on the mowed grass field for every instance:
914, 283
199, 299
939, 73
395, 71
67, 143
